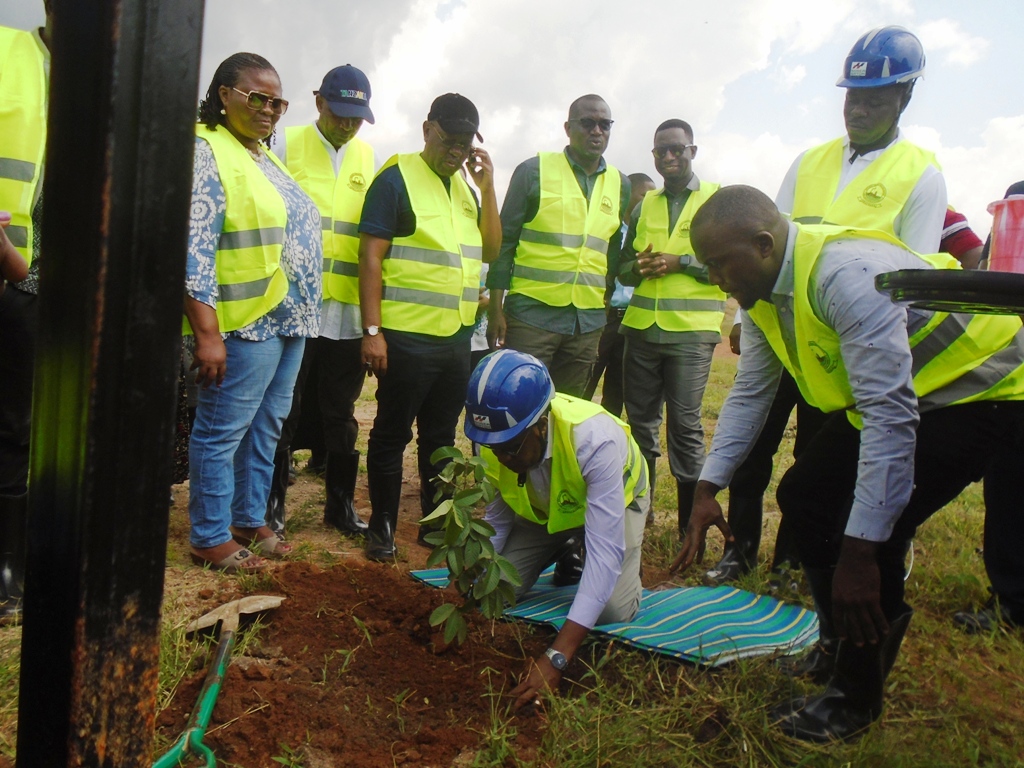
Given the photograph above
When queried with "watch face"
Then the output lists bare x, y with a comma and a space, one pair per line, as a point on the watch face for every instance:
557, 659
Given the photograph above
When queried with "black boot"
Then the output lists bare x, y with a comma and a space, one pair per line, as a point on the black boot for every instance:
13, 512
853, 698
651, 478
684, 494
427, 503
278, 491
739, 556
819, 662
340, 479
569, 563
385, 496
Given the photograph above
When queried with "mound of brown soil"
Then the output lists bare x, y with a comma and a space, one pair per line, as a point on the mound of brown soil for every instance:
348, 672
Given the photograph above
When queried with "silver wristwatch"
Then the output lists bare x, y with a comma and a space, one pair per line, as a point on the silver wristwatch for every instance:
557, 659
373, 330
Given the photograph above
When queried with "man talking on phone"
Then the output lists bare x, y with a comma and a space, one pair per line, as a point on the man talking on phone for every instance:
422, 236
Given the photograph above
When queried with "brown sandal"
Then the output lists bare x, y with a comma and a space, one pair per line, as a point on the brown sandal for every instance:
239, 561
269, 546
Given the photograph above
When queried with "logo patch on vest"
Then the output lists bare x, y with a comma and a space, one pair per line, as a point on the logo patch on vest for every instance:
873, 195
567, 502
858, 69
823, 357
481, 421
467, 210
606, 204
356, 182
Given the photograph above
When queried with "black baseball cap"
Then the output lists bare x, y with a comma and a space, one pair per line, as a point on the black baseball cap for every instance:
347, 91
455, 114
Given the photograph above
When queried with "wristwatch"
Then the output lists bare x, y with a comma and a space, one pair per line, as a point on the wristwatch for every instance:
557, 659
373, 330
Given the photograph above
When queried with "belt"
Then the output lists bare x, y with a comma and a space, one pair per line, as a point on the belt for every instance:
616, 313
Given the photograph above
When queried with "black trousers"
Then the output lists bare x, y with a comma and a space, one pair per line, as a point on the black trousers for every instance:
426, 384
18, 330
1004, 526
955, 447
335, 366
609, 362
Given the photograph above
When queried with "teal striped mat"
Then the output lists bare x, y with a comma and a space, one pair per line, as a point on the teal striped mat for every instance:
704, 625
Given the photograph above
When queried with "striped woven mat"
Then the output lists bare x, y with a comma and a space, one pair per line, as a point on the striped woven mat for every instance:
704, 625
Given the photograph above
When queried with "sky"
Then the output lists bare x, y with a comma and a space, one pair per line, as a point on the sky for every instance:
755, 78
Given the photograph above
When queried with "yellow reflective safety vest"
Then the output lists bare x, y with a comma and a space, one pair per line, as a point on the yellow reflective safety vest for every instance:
22, 132
872, 200
432, 278
562, 256
568, 499
958, 358
250, 281
675, 302
339, 200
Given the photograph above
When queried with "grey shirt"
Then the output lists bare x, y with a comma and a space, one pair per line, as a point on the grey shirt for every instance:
873, 333
521, 205
627, 276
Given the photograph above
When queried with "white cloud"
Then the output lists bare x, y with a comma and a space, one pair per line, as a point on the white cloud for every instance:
789, 77
956, 45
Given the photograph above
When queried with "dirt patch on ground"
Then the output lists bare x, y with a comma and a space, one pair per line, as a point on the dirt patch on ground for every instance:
348, 673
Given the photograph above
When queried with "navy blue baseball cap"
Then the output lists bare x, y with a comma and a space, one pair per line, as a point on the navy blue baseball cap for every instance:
347, 92
455, 114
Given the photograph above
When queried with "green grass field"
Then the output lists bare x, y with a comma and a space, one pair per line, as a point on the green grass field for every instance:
952, 699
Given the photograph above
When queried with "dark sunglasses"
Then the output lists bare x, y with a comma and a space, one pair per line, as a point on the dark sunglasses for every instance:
677, 150
589, 124
256, 101
465, 147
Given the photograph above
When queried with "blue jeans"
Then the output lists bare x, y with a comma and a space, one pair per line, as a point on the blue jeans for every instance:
231, 453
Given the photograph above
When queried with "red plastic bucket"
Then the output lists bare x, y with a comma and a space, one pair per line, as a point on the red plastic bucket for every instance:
1006, 253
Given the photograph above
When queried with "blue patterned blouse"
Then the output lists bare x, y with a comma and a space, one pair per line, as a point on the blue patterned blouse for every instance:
302, 258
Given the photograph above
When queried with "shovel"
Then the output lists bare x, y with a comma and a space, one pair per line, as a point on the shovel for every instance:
227, 615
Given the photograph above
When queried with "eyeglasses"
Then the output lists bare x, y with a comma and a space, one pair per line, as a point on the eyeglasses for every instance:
513, 450
464, 147
256, 101
589, 124
677, 150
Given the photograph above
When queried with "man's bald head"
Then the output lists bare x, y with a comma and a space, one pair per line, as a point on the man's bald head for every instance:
584, 104
739, 209
740, 236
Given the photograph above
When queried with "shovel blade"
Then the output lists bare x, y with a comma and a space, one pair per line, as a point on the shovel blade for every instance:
229, 613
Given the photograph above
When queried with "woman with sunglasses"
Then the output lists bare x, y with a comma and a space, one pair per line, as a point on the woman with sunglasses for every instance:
252, 298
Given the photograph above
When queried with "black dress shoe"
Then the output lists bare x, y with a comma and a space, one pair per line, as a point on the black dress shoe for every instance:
984, 620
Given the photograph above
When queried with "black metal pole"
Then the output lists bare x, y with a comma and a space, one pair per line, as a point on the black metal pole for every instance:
116, 198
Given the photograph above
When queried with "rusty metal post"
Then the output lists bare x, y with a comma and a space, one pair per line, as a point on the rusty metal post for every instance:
117, 187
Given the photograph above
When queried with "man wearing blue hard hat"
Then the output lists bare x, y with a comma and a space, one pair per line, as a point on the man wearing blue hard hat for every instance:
564, 467
334, 167
872, 178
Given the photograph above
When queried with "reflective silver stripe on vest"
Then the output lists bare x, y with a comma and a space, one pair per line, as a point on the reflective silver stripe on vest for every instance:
423, 298
984, 377
17, 170
342, 268
346, 228
471, 294
943, 336
326, 223
807, 220
425, 256
564, 241
677, 305
555, 276
242, 291
474, 252
18, 236
251, 238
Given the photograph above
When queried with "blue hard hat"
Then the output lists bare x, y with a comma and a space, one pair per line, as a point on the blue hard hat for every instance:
508, 392
883, 56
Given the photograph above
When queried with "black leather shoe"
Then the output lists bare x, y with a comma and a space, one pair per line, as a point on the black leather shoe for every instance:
984, 620
729, 568
569, 565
